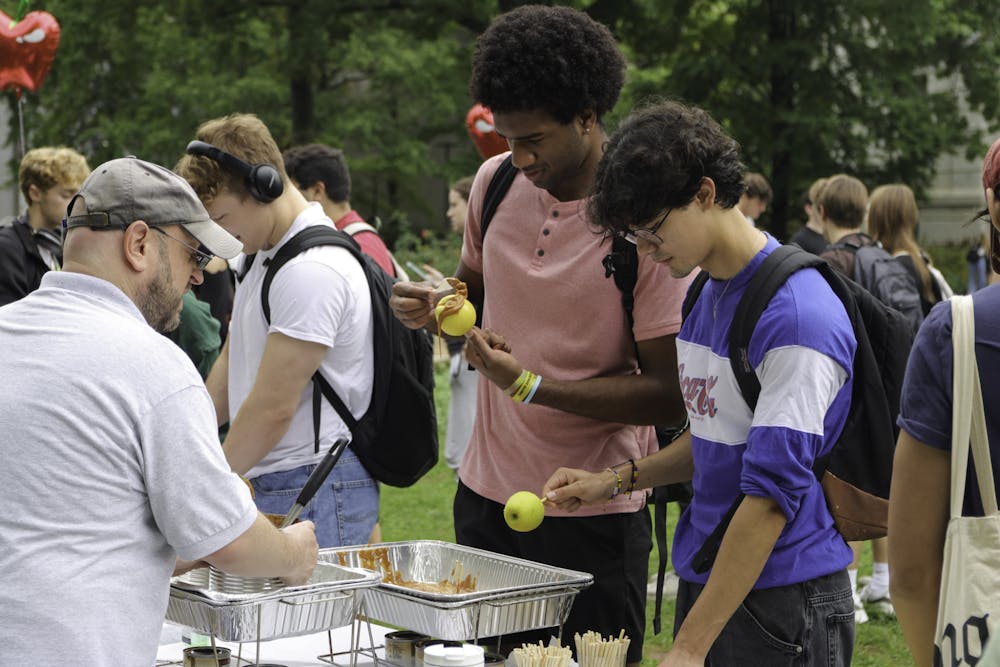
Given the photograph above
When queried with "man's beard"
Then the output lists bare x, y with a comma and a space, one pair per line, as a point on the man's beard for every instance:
157, 303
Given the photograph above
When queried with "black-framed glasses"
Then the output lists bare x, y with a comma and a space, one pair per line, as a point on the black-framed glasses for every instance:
200, 257
648, 234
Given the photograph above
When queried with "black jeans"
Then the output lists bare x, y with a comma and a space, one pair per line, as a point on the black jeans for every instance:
613, 547
811, 623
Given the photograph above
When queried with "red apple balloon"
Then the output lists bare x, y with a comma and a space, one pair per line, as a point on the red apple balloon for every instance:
27, 49
479, 121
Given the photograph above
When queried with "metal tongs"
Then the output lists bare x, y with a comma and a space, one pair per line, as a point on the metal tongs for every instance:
316, 478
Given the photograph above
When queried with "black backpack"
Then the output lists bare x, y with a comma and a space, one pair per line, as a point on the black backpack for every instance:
397, 438
888, 278
622, 264
855, 474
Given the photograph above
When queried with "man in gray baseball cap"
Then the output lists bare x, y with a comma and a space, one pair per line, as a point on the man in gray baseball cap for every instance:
112, 465
135, 197
121, 191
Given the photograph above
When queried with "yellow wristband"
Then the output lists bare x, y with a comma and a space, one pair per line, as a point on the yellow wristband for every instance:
512, 389
525, 388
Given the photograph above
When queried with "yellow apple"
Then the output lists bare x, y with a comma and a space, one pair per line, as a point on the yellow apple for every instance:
460, 322
524, 511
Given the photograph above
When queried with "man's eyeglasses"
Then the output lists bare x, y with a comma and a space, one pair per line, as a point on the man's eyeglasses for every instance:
648, 234
201, 258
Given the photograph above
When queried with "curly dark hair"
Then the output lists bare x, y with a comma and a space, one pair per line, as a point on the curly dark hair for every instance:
556, 59
656, 160
310, 163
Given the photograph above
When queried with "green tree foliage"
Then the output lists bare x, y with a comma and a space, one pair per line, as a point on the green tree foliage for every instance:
814, 88
386, 80
808, 88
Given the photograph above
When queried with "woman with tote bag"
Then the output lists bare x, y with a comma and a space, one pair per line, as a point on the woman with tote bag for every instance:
945, 548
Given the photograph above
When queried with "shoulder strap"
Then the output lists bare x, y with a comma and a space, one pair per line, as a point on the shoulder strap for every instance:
622, 264
694, 291
359, 226
311, 237
495, 192
772, 274
304, 240
245, 268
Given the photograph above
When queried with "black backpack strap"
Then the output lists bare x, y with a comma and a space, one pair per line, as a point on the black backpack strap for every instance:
694, 291
495, 192
622, 264
772, 274
500, 183
310, 237
245, 269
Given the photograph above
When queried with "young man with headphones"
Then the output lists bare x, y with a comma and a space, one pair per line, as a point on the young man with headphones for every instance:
320, 319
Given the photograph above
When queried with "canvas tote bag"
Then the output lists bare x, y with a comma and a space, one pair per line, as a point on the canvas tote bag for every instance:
969, 607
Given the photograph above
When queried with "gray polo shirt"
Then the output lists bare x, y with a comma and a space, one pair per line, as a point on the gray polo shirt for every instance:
111, 468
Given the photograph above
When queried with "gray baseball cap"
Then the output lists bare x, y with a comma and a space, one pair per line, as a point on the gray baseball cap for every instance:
121, 191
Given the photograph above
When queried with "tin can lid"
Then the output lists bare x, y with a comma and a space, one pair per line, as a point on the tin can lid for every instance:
465, 655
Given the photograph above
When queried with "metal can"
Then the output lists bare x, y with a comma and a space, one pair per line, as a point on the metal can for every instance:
400, 646
206, 656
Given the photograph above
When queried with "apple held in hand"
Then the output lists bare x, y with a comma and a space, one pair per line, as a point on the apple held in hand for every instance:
524, 511
458, 323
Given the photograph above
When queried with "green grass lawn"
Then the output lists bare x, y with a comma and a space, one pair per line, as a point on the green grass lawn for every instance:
423, 511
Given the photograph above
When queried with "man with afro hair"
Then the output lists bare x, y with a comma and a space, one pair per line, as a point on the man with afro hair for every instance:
564, 378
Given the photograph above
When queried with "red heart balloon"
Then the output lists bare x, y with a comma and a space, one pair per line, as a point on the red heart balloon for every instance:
479, 122
27, 49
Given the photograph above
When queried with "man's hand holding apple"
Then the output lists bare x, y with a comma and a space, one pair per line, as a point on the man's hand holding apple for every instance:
413, 304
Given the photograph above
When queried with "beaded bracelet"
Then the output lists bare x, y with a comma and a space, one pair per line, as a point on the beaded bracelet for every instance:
635, 478
618, 484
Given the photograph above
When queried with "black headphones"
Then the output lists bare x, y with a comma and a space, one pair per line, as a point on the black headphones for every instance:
262, 180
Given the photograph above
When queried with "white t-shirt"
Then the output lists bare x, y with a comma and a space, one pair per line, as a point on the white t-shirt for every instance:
321, 296
111, 468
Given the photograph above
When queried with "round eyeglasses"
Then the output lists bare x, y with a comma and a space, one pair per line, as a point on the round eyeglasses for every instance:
648, 234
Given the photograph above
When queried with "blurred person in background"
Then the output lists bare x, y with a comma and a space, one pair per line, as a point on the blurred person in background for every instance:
756, 196
810, 237
463, 379
892, 221
32, 245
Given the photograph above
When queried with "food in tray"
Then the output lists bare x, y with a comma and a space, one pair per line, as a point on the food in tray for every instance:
377, 559
455, 315
538, 655
593, 650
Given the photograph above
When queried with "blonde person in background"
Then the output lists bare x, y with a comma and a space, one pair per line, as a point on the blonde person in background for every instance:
32, 245
892, 221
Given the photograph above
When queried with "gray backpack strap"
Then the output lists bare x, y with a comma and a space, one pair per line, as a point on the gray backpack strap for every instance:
362, 226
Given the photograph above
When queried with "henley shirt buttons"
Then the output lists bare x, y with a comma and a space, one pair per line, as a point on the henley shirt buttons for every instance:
555, 214
540, 252
545, 232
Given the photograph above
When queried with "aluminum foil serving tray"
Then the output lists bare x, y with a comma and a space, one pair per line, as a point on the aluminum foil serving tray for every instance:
329, 600
511, 594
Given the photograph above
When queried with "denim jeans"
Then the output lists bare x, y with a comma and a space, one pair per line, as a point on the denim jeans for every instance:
344, 509
811, 623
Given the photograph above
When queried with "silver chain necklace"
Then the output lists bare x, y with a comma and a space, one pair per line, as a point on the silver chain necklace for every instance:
716, 300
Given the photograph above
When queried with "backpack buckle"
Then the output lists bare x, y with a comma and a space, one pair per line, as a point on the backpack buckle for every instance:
609, 265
